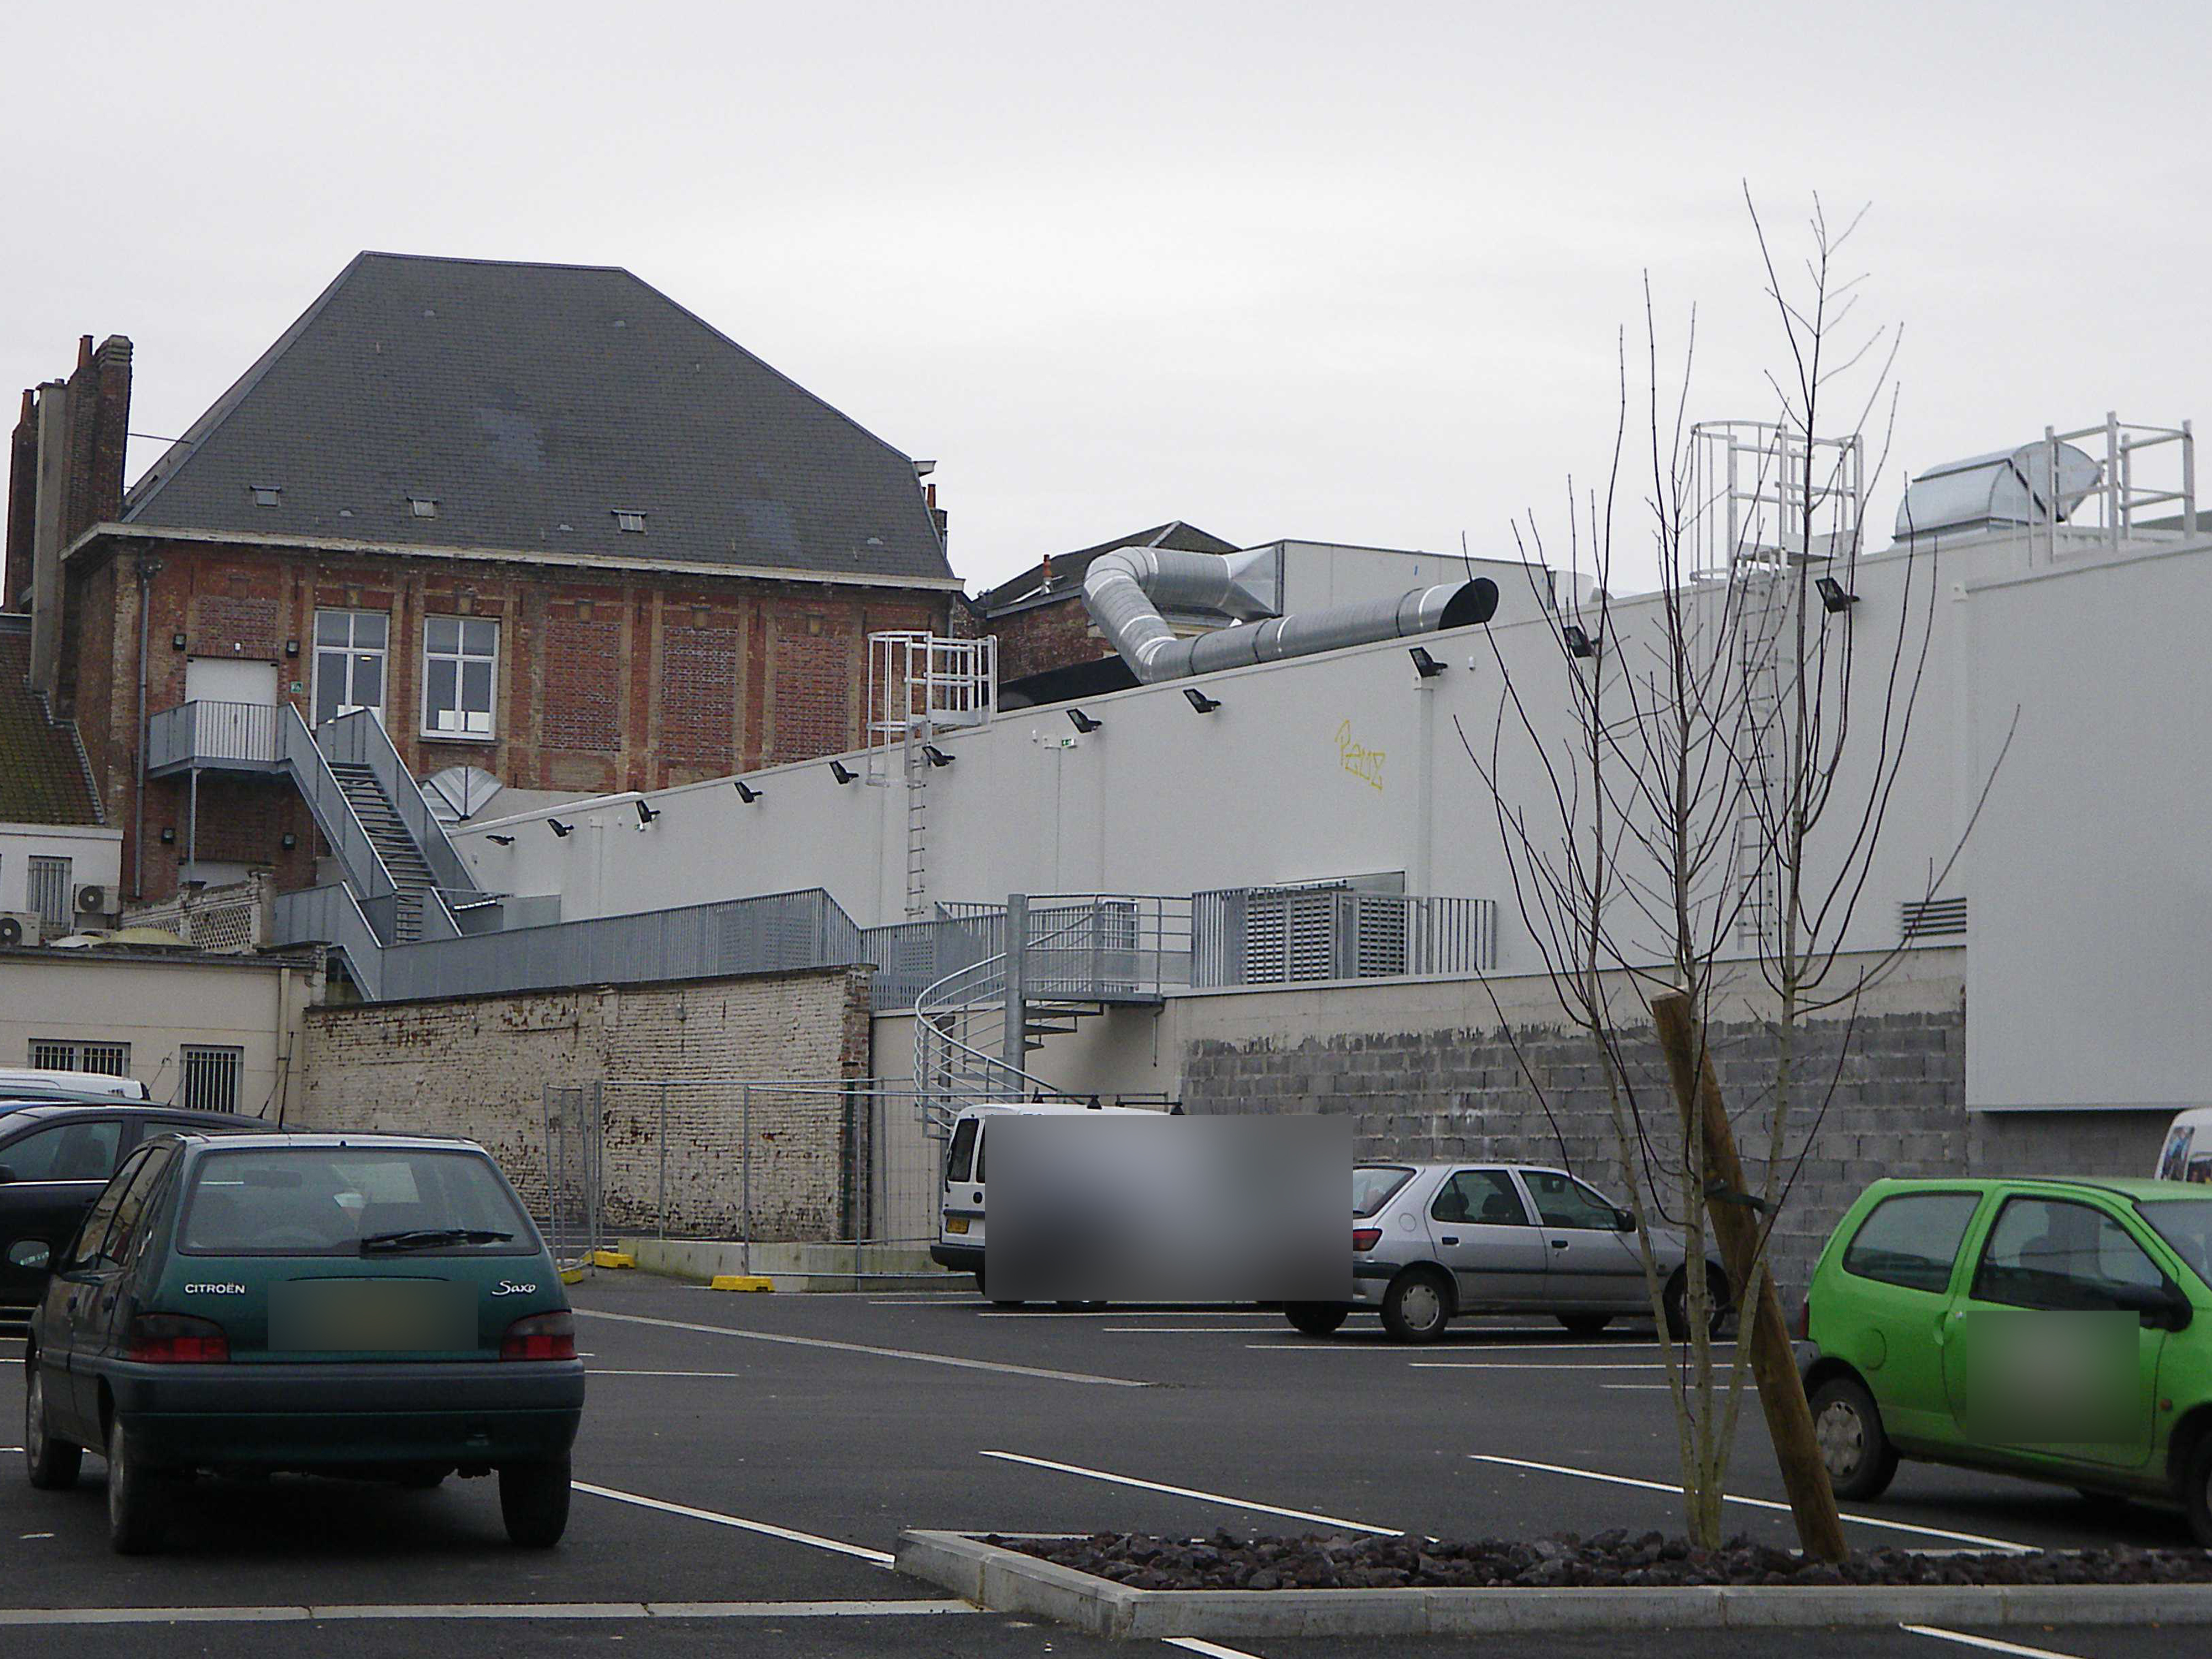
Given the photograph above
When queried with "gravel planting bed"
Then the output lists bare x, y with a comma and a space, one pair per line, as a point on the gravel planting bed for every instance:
1610, 1559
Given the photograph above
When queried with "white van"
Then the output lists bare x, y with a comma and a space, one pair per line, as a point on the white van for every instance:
2187, 1154
33, 1083
960, 1189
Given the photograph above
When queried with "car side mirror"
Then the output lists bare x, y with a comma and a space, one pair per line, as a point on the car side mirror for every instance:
1624, 1220
2172, 1312
31, 1253
2162, 1308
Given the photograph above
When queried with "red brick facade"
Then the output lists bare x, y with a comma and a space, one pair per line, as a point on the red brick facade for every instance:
1054, 634
604, 680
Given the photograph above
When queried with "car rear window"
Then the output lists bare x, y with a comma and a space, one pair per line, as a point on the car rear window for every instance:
963, 1148
2186, 1225
345, 1200
1372, 1185
1911, 1240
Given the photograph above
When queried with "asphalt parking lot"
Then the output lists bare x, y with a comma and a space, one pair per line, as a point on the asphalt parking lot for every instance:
747, 1463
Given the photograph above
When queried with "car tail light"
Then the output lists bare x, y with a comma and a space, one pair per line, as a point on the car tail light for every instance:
541, 1336
176, 1339
1804, 1331
1366, 1238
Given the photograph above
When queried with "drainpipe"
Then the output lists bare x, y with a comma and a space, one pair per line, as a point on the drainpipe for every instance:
148, 568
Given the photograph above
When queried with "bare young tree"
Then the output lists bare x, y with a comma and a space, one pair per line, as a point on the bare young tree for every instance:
1717, 764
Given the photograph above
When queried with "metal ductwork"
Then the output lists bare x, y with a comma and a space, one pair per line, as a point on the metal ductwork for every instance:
1126, 590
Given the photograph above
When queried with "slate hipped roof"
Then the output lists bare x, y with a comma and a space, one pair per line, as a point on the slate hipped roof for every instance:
42, 772
532, 402
1068, 568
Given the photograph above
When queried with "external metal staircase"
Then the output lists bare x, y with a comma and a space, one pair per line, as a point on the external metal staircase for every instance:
402, 881
1062, 960
403, 860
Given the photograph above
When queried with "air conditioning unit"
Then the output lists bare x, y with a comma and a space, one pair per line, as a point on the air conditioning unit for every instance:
22, 928
98, 901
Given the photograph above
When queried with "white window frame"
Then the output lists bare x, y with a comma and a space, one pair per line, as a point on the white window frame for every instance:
349, 651
208, 1076
71, 1054
460, 657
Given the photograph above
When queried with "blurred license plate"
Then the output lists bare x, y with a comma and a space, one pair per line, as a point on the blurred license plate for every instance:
956, 1224
370, 1315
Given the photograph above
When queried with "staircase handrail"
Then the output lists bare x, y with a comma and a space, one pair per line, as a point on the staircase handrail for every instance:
340, 824
973, 1072
361, 735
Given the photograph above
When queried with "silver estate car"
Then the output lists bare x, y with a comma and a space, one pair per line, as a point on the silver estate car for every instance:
1432, 1240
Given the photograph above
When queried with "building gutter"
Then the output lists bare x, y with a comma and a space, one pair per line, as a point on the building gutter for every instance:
505, 555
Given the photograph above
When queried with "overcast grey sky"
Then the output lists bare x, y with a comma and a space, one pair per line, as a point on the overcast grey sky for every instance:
1349, 272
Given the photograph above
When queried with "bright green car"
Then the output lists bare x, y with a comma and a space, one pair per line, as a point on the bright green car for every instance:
360, 1306
2058, 1329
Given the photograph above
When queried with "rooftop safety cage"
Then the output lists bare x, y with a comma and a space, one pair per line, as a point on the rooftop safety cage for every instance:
2041, 485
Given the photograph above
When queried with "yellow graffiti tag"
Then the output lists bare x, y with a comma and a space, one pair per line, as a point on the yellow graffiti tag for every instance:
1357, 759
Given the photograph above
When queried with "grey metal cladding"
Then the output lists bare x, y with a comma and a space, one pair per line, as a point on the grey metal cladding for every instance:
531, 402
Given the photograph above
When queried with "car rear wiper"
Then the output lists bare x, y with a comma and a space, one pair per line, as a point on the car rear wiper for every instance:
429, 1238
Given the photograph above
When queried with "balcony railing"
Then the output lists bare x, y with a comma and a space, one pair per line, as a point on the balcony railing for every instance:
216, 735
1287, 935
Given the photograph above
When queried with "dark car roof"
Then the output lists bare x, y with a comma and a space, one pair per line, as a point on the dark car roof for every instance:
14, 1113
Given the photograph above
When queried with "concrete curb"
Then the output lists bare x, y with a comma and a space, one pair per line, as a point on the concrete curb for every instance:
1006, 1580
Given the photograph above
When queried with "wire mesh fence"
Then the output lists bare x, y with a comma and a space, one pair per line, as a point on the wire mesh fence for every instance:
796, 1161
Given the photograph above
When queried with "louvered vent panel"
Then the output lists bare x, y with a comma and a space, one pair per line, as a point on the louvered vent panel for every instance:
1313, 935
1944, 918
1265, 918
1381, 938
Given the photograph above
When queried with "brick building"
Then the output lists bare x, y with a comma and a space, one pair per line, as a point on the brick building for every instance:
545, 522
1039, 617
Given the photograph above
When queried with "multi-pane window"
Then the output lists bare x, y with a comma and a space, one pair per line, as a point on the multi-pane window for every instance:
460, 663
350, 647
210, 1078
67, 1054
50, 894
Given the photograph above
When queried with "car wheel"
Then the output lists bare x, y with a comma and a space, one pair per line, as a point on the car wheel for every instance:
1677, 1303
1585, 1324
1847, 1427
136, 1496
2196, 1494
1417, 1305
1316, 1318
533, 1501
50, 1461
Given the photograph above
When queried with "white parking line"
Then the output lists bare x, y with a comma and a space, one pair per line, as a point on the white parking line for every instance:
1174, 1330
862, 1347
1192, 1491
601, 1371
1755, 1502
18, 1617
1123, 1312
1990, 1644
1211, 1650
874, 1557
1511, 1365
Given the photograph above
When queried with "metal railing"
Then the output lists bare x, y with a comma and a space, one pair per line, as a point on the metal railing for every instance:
359, 739
777, 934
333, 916
1067, 949
216, 735
1286, 935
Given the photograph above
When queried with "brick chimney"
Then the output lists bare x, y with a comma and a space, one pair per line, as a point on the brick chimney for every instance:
99, 417
22, 508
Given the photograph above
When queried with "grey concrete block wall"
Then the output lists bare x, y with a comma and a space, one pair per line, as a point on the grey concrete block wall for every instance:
1884, 1094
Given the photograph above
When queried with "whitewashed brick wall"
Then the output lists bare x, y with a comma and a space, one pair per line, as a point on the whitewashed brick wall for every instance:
479, 1067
